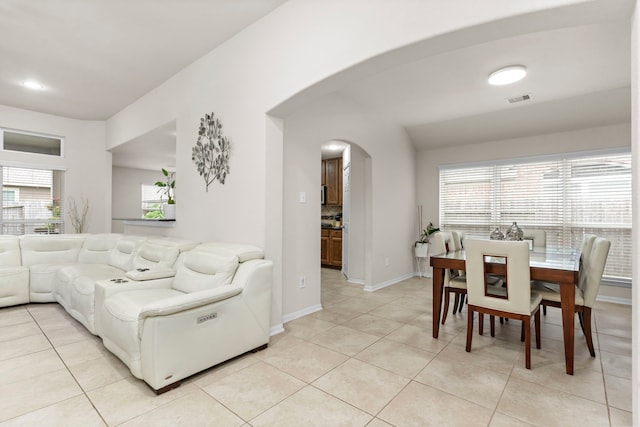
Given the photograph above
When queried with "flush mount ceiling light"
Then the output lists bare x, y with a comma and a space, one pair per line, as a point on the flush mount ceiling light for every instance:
507, 75
32, 84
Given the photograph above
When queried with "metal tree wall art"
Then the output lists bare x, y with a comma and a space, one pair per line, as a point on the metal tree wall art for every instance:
212, 150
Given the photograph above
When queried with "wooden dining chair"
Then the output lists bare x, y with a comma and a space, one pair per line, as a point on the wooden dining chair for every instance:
593, 261
513, 300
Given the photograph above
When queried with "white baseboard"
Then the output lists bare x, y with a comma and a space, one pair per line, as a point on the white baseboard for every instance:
614, 300
356, 281
276, 329
378, 286
301, 313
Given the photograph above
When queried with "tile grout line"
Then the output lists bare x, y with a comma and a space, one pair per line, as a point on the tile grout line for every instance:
67, 368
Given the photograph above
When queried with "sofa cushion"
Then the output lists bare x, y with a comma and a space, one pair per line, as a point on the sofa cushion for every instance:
128, 305
122, 255
10, 251
198, 270
96, 248
50, 249
14, 286
152, 255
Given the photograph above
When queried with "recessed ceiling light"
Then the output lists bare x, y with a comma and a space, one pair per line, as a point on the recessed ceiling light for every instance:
32, 84
507, 75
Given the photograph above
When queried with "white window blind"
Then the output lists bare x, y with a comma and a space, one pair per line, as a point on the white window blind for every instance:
31, 201
567, 198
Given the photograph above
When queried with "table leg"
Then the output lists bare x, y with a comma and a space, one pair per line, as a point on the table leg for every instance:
438, 280
568, 304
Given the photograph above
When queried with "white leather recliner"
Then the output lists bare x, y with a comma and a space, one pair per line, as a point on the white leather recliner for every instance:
14, 278
44, 255
217, 306
74, 285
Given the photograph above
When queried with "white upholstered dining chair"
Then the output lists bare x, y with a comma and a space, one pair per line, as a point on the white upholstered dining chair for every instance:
513, 300
442, 243
593, 258
456, 281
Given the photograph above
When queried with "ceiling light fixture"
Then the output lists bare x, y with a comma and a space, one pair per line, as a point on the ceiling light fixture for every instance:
32, 84
507, 75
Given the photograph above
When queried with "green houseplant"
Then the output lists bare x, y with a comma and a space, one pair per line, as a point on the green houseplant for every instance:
165, 188
422, 244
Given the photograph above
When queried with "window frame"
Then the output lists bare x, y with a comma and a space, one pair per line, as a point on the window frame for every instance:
569, 227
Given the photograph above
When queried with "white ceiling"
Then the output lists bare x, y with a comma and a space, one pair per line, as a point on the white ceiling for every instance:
95, 57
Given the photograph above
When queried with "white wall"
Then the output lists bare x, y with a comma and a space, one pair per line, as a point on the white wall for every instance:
284, 57
357, 236
393, 196
87, 164
126, 193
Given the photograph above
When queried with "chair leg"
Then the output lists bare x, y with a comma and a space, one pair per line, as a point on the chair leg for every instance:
586, 313
492, 325
544, 310
502, 320
456, 301
527, 341
537, 325
522, 331
581, 319
481, 323
445, 309
469, 329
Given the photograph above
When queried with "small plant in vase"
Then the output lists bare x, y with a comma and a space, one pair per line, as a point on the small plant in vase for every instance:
422, 244
165, 188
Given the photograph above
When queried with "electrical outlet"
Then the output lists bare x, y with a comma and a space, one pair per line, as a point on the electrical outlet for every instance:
301, 282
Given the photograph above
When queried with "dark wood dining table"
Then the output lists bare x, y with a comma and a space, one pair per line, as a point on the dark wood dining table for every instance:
558, 266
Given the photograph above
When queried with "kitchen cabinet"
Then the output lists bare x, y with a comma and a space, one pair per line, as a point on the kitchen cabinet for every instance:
332, 178
324, 247
331, 247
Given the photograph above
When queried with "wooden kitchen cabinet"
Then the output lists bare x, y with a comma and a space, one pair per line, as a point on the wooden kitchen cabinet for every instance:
324, 247
331, 247
332, 169
335, 248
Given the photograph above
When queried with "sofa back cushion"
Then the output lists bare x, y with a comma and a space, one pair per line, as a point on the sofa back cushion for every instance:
152, 255
125, 250
198, 270
10, 251
50, 249
96, 248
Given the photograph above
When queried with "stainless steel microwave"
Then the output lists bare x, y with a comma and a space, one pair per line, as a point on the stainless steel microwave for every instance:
323, 192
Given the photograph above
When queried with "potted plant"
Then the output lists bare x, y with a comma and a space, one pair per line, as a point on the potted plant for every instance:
165, 188
422, 244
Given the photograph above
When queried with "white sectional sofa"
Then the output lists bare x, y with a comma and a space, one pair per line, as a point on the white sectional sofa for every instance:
168, 308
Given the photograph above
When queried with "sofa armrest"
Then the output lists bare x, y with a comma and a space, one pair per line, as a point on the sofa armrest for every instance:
142, 274
188, 301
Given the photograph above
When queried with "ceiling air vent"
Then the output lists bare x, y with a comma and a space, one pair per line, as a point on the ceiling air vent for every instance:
519, 98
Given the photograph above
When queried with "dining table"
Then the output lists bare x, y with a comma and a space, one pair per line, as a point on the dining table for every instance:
559, 266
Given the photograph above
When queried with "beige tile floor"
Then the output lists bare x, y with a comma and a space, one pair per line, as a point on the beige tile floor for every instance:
366, 359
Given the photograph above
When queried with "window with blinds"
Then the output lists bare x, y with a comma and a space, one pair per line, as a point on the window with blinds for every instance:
31, 201
566, 197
